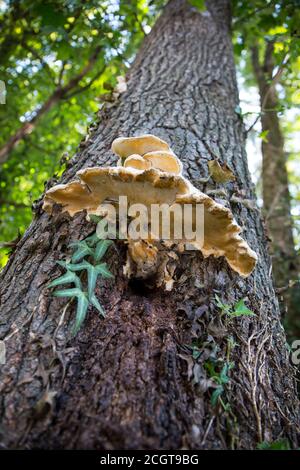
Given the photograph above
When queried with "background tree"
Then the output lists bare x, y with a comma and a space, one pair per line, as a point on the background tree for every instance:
56, 58
268, 33
159, 371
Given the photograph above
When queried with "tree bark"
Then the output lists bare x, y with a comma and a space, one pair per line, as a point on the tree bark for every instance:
129, 381
276, 195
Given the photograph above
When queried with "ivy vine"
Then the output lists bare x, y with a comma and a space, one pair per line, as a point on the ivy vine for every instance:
85, 258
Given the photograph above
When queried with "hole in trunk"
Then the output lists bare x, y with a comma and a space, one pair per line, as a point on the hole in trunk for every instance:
142, 287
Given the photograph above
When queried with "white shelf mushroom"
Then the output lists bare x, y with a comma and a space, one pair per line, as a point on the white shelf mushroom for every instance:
152, 175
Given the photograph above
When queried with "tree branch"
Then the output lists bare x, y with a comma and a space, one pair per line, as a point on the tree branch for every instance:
261, 70
85, 87
40, 59
58, 94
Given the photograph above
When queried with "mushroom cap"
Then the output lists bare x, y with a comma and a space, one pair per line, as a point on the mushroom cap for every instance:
221, 234
98, 184
72, 196
137, 161
164, 161
144, 187
126, 146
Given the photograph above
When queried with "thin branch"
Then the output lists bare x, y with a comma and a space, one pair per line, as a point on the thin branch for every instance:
40, 59
61, 73
58, 94
273, 82
252, 13
85, 87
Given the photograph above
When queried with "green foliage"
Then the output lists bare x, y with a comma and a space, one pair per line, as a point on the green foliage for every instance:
238, 310
95, 249
43, 45
264, 135
261, 23
199, 4
281, 444
220, 376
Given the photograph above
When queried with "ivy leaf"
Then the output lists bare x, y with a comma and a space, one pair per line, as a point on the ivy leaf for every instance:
95, 218
92, 239
281, 444
74, 292
224, 379
224, 307
82, 250
219, 302
241, 309
104, 271
95, 302
67, 278
63, 264
78, 266
92, 279
101, 249
216, 394
82, 306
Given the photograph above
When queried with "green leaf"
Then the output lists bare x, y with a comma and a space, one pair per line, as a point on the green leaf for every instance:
92, 239
67, 278
82, 306
224, 379
79, 266
238, 110
104, 271
63, 264
92, 279
216, 394
199, 4
95, 302
241, 309
281, 444
224, 307
101, 249
82, 251
196, 352
75, 292
264, 135
219, 302
95, 218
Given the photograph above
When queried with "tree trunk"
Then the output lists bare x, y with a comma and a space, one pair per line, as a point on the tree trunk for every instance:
130, 381
276, 195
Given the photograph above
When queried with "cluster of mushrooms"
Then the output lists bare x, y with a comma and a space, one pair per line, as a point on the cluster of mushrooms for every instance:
148, 172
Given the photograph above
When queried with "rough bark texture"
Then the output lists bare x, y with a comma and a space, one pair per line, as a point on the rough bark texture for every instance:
130, 381
276, 195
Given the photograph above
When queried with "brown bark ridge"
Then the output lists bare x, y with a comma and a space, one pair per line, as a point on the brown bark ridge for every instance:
130, 381
276, 195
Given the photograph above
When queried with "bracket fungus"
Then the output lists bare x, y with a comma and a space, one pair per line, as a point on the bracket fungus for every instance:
126, 146
137, 162
152, 175
146, 151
